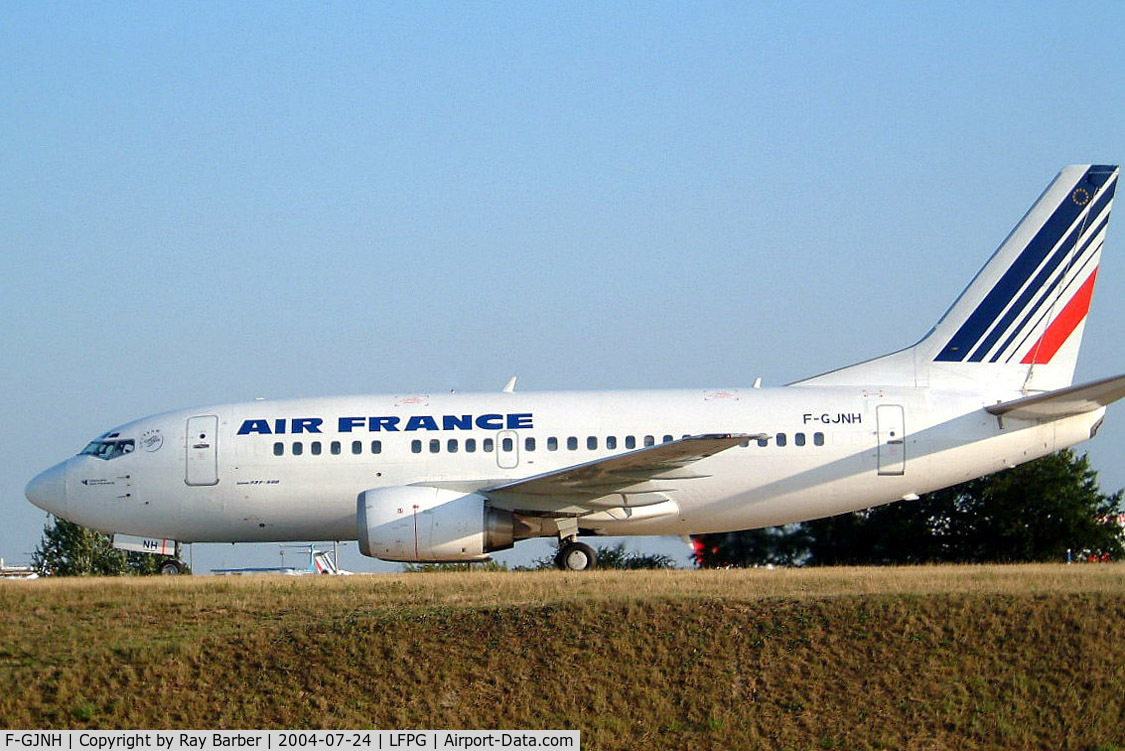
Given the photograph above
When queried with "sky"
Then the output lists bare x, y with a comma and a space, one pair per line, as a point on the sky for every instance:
212, 202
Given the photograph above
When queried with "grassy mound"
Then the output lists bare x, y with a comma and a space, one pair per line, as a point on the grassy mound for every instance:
926, 658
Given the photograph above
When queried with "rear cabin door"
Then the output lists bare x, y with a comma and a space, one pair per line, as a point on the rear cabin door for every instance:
202, 450
892, 439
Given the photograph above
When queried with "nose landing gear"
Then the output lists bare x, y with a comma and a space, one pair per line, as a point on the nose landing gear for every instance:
171, 567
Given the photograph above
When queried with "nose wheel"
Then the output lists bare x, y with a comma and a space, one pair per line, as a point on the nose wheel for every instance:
576, 556
171, 567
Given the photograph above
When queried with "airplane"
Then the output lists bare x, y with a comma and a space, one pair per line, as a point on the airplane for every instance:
455, 477
320, 562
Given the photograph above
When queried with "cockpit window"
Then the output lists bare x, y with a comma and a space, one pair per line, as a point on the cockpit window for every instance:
109, 446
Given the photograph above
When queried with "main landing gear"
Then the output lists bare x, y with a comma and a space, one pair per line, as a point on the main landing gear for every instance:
575, 556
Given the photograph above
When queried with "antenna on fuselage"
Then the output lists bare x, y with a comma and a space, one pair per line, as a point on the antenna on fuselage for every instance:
511, 386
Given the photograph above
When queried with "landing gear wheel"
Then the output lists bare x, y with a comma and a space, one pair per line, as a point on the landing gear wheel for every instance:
171, 567
576, 556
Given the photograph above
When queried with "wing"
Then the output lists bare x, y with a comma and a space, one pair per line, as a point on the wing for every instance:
636, 478
1073, 400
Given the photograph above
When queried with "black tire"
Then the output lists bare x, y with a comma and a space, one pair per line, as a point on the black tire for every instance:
576, 556
171, 567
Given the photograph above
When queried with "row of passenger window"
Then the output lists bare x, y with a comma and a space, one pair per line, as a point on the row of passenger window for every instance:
799, 439
488, 445
316, 448
453, 445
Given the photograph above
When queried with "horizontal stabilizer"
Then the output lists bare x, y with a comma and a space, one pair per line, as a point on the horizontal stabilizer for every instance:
1073, 400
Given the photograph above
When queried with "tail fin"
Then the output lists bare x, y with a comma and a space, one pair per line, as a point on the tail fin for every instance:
1018, 325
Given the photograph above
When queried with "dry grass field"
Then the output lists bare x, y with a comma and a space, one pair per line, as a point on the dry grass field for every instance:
1016, 657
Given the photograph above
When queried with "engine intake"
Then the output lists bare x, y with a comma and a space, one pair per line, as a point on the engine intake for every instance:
422, 524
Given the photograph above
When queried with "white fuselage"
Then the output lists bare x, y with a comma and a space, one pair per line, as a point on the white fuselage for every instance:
292, 470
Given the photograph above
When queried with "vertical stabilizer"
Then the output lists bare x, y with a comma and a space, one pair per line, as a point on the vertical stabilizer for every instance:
1018, 325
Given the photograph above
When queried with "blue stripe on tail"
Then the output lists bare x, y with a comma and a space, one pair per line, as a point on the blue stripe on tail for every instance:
966, 343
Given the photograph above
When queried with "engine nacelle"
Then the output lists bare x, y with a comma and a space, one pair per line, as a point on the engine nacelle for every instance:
414, 523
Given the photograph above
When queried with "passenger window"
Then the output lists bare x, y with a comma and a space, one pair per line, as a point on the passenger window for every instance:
552, 444
471, 445
508, 445
357, 447
315, 447
668, 439
435, 445
799, 439
572, 443
486, 445
298, 448
529, 444
630, 441
592, 443
649, 441
451, 445
780, 439
611, 442
279, 449
416, 446
763, 442
818, 439
335, 448
376, 447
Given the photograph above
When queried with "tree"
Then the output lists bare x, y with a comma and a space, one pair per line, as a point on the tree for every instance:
68, 549
452, 566
1035, 512
898, 533
615, 557
770, 546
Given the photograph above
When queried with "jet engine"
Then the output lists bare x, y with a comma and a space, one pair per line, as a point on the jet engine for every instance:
417, 523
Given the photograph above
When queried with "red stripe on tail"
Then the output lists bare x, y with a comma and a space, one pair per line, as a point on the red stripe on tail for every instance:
1063, 326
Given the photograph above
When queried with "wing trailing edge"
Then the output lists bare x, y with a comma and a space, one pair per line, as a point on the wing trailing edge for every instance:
645, 475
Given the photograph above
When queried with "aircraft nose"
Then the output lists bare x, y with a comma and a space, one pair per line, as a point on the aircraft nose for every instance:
47, 490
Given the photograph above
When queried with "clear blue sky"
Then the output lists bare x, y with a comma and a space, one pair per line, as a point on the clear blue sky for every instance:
206, 202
